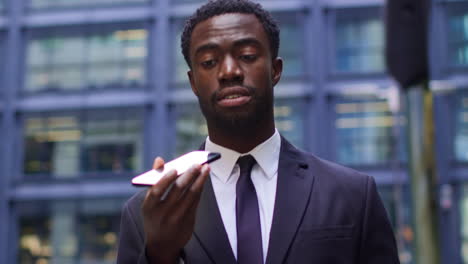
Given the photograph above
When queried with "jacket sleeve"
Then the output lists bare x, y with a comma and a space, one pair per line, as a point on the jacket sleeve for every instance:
131, 248
378, 243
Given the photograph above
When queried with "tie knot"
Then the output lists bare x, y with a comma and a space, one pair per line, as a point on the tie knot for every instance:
246, 163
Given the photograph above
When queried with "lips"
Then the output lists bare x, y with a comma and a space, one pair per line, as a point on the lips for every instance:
233, 96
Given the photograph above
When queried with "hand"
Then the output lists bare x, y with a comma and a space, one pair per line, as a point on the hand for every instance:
169, 223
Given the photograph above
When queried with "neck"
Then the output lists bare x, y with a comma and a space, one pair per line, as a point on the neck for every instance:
241, 140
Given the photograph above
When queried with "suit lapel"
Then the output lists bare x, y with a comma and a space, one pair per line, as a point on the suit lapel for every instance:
292, 195
209, 228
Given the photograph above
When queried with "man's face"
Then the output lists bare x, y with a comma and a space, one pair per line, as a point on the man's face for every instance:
233, 72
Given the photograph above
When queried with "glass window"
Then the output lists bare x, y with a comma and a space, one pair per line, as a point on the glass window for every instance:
52, 145
113, 58
112, 141
396, 200
179, 77
94, 142
458, 36
461, 130
364, 132
191, 129
464, 223
47, 4
290, 49
69, 231
291, 45
359, 42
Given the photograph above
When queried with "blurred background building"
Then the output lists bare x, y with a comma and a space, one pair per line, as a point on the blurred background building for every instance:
92, 90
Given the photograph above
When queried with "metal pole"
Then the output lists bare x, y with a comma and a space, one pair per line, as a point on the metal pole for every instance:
421, 165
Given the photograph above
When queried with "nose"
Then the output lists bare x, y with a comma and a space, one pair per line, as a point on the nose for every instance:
230, 71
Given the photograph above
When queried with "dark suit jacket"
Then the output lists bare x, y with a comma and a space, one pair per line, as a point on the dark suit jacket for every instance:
324, 214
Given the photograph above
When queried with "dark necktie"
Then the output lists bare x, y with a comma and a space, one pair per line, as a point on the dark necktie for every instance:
249, 234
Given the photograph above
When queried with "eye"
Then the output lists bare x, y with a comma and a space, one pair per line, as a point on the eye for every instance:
208, 63
248, 57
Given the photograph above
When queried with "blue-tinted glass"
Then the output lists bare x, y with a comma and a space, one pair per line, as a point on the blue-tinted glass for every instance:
61, 146
99, 223
52, 145
289, 120
359, 44
291, 47
397, 203
464, 223
180, 73
44, 4
461, 131
68, 231
112, 141
114, 59
458, 38
364, 132
191, 129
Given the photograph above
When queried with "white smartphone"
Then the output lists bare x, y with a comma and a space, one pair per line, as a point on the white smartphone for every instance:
180, 164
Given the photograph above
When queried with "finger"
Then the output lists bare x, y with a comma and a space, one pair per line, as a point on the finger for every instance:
182, 183
192, 196
158, 163
197, 185
156, 191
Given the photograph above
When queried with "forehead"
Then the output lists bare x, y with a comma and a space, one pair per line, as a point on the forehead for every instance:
227, 27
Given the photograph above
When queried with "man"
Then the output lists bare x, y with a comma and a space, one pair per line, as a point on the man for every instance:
287, 206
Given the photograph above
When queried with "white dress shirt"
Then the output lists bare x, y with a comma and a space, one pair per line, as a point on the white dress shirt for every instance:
224, 175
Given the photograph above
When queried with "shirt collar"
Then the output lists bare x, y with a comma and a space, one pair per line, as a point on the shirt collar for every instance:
266, 154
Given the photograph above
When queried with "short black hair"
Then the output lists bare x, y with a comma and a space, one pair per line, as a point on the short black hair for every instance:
219, 7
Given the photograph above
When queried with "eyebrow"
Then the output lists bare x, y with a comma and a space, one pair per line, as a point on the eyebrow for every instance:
237, 43
247, 41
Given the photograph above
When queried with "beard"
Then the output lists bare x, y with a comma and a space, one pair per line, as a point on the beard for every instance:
242, 120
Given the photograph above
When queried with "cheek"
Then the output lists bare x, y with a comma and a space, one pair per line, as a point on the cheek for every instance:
259, 74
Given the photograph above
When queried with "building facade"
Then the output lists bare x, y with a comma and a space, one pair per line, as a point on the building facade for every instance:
92, 90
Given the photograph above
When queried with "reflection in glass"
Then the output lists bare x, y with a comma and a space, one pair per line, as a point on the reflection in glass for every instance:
364, 132
113, 59
99, 222
359, 44
51, 145
458, 38
191, 129
112, 141
43, 4
34, 235
68, 231
101, 141
461, 131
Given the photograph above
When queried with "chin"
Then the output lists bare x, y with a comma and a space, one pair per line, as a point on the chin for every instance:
238, 122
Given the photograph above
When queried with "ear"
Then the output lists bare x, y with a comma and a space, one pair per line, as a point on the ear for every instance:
192, 82
277, 69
